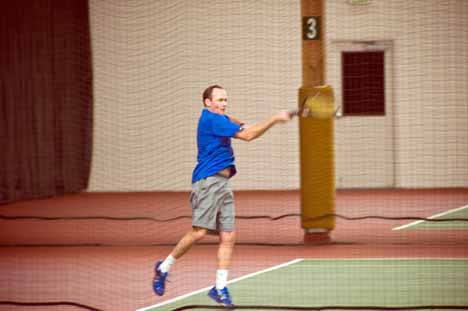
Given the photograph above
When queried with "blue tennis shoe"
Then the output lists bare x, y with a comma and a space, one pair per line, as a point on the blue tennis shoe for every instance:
221, 296
159, 280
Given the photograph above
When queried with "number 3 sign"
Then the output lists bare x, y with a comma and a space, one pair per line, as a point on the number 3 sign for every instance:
311, 27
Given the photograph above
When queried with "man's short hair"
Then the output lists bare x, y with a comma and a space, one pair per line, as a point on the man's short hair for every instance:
208, 93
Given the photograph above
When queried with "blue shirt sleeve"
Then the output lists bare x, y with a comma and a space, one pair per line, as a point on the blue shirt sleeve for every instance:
224, 127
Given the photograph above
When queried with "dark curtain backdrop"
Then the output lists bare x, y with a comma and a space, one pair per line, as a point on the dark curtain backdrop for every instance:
46, 98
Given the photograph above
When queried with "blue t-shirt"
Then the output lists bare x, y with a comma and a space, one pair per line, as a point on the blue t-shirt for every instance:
214, 145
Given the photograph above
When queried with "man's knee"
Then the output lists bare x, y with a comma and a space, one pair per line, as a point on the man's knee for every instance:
198, 233
228, 237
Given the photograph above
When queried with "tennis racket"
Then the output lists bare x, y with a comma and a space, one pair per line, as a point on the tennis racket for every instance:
321, 105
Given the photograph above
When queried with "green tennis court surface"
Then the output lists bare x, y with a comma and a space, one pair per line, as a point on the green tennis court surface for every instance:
348, 282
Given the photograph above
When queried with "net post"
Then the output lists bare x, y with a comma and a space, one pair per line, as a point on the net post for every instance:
316, 136
316, 236
317, 187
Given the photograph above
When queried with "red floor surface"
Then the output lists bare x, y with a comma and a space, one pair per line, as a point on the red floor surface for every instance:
118, 276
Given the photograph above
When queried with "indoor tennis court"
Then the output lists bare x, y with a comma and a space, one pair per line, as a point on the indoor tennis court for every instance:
356, 200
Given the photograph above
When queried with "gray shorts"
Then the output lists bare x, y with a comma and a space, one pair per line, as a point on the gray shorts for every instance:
212, 204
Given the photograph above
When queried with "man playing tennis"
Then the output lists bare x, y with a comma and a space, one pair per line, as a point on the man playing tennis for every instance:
211, 199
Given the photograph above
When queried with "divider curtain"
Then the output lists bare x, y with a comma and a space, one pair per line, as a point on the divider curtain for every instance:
45, 98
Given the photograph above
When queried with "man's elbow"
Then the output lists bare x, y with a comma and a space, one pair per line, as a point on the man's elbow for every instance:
245, 136
249, 138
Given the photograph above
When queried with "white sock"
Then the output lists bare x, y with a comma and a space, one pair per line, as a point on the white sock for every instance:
167, 263
221, 278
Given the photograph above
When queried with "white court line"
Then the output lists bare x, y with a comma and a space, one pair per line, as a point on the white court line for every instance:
397, 260
383, 258
230, 282
431, 217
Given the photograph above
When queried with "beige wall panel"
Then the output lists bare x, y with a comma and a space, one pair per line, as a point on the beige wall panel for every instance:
152, 60
430, 74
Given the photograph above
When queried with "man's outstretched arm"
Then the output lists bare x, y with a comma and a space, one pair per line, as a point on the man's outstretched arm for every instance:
257, 130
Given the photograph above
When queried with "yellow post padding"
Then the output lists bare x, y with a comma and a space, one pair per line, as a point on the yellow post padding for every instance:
317, 163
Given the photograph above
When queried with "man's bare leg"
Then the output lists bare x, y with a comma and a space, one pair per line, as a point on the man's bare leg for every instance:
226, 246
183, 247
162, 268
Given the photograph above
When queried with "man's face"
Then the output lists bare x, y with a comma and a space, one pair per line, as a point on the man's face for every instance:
218, 101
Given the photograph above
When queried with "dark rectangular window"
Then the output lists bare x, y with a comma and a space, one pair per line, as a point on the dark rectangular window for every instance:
363, 83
